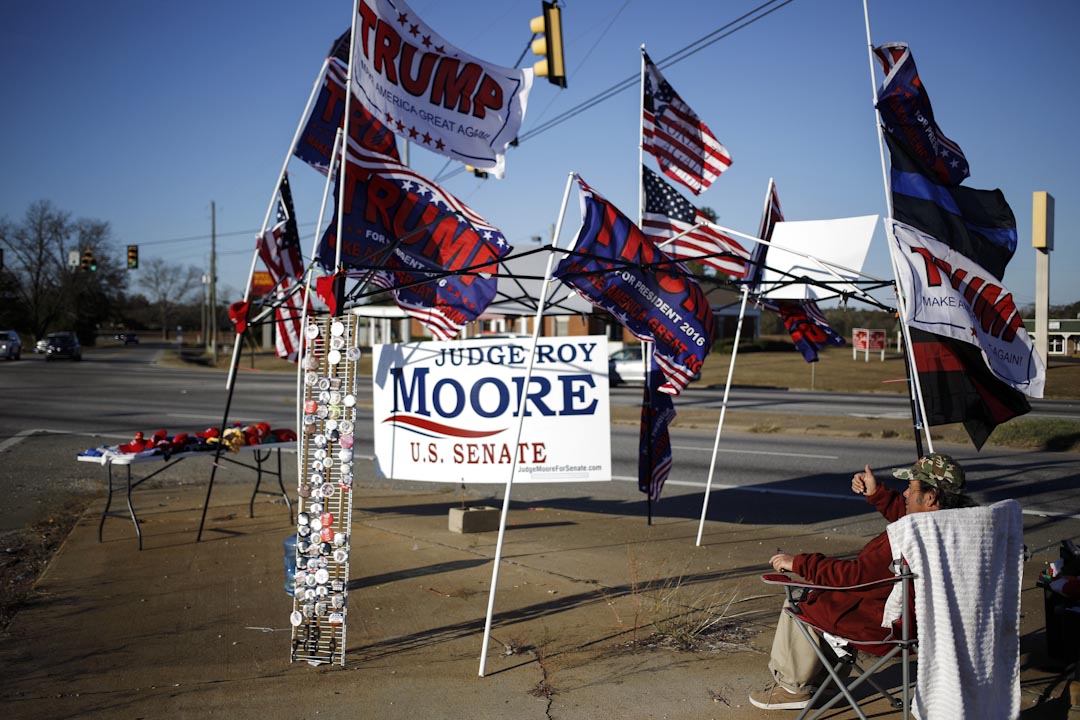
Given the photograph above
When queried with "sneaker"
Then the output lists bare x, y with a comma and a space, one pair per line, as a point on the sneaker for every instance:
774, 697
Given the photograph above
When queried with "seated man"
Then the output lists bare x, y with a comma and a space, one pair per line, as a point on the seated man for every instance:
934, 482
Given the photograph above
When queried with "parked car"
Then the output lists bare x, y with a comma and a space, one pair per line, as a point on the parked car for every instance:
625, 366
10, 345
62, 345
128, 338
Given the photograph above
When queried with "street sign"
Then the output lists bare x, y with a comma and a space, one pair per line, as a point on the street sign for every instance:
261, 283
73, 258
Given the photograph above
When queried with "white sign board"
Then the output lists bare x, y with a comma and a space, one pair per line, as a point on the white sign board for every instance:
841, 243
448, 411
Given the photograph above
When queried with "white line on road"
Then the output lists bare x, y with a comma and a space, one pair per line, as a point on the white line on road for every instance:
831, 496
756, 452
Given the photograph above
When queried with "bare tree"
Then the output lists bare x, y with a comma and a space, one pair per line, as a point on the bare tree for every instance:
167, 287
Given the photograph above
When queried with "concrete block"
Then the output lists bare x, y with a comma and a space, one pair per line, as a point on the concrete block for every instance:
474, 519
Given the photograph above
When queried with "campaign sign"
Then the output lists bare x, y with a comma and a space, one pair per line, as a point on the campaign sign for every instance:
448, 411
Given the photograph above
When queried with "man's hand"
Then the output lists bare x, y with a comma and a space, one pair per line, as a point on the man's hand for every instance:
864, 483
781, 562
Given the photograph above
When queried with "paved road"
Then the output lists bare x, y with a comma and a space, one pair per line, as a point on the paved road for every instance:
113, 392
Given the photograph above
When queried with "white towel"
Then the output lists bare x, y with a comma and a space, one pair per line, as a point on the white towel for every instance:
968, 566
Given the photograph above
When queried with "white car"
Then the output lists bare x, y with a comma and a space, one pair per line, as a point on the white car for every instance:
625, 366
10, 345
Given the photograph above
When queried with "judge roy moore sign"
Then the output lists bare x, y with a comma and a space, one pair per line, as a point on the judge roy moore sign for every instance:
448, 411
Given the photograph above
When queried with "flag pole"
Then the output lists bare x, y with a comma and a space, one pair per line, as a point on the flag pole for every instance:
918, 406
234, 364
338, 291
723, 411
521, 423
646, 357
646, 348
307, 303
270, 206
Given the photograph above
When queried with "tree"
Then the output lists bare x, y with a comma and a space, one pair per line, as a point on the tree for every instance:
168, 287
47, 293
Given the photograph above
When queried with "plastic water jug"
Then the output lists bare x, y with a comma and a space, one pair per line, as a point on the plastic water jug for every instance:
290, 564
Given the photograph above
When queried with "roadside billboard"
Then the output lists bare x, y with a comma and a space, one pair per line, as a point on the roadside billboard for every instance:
448, 411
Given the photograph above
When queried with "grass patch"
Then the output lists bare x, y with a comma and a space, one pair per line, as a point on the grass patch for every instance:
1051, 435
677, 612
835, 371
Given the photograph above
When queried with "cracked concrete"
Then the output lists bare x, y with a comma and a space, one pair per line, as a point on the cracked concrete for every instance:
185, 629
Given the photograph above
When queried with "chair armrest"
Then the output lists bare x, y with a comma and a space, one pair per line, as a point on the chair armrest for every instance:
785, 580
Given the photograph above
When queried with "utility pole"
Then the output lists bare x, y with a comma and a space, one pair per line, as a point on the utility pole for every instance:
213, 284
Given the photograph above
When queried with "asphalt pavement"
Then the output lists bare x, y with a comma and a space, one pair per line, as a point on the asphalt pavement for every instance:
594, 615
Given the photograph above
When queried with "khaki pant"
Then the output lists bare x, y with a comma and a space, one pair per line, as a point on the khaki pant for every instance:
793, 663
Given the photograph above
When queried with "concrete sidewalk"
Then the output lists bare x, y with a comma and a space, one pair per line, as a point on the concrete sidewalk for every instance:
591, 613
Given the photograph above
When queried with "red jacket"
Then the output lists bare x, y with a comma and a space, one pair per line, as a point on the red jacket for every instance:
856, 614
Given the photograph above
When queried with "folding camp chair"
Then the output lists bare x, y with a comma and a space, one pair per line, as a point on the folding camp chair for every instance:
846, 649
966, 568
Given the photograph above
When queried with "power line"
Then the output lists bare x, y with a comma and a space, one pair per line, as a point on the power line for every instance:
724, 31
173, 241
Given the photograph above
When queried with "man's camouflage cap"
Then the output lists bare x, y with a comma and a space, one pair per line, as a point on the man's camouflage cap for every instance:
935, 469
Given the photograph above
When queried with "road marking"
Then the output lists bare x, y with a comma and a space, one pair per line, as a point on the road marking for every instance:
751, 488
23, 434
757, 452
16, 439
829, 496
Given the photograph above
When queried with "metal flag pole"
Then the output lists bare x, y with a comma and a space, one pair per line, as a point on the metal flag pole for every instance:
521, 423
307, 301
914, 386
273, 199
231, 379
646, 347
338, 291
723, 411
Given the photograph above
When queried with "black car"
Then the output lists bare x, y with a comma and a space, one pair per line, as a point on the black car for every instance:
62, 345
128, 338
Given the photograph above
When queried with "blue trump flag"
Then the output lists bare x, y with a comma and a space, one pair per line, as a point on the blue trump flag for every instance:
437, 256
316, 142
806, 324
909, 118
618, 269
654, 441
978, 223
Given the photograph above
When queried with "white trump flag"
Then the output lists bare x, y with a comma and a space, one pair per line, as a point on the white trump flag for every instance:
432, 93
950, 294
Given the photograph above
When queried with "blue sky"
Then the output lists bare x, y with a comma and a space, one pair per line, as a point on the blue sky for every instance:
142, 113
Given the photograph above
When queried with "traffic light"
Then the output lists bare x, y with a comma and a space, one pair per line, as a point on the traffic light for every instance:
133, 257
478, 173
88, 263
550, 45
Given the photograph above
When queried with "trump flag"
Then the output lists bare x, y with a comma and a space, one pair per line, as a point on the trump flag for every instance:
618, 269
436, 95
408, 235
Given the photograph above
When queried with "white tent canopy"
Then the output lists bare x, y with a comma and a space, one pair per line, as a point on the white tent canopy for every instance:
826, 251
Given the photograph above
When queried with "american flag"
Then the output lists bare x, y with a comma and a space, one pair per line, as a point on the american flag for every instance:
667, 213
684, 147
280, 252
771, 215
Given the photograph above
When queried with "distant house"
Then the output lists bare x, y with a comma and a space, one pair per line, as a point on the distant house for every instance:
1063, 336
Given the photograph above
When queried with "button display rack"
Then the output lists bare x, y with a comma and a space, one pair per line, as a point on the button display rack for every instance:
324, 517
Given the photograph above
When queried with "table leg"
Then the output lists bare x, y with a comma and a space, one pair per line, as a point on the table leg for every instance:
258, 482
131, 508
281, 484
108, 504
